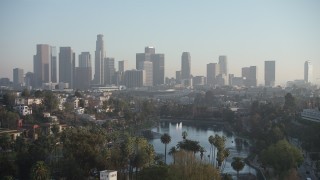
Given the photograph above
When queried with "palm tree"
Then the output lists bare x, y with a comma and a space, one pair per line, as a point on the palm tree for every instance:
211, 140
40, 171
165, 139
202, 150
237, 164
184, 134
172, 152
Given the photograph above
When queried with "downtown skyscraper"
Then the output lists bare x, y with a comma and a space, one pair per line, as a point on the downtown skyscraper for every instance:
83, 73
185, 66
99, 61
269, 73
44, 65
66, 66
156, 74
18, 78
308, 72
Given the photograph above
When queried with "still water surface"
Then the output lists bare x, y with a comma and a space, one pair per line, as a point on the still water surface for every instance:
200, 132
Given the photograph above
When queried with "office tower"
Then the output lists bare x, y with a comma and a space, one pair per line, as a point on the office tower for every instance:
109, 70
18, 79
83, 73
178, 77
213, 69
147, 66
308, 72
134, 78
185, 66
66, 65
230, 78
85, 59
29, 80
269, 73
157, 63
99, 58
250, 76
122, 66
158, 68
54, 69
223, 65
199, 80
41, 65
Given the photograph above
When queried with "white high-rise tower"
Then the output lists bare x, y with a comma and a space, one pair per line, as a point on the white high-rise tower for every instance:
308, 72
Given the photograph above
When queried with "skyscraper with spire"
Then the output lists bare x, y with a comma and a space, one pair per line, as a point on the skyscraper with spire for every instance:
99, 61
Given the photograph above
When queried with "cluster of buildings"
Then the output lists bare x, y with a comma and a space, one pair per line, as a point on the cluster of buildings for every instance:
52, 70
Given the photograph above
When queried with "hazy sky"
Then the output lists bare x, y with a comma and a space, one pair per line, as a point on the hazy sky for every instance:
247, 31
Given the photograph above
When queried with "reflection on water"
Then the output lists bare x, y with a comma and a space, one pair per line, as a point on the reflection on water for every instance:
201, 132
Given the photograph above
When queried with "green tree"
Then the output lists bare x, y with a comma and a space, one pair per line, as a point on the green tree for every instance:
5, 142
40, 171
172, 152
25, 93
237, 164
9, 100
282, 156
187, 166
184, 134
201, 150
50, 101
290, 103
189, 145
165, 139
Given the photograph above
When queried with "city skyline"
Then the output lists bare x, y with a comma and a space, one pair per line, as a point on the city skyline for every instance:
249, 34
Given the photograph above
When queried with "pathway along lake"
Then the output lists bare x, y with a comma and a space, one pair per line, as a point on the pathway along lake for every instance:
200, 132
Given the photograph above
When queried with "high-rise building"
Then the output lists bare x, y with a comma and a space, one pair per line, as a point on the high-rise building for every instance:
178, 77
148, 68
134, 78
199, 80
223, 65
157, 63
269, 73
158, 68
29, 80
213, 69
109, 70
83, 73
18, 78
66, 65
41, 65
99, 61
308, 72
85, 59
54, 69
185, 65
250, 76
122, 66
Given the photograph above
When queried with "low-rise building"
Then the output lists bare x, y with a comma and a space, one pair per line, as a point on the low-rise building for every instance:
23, 110
311, 115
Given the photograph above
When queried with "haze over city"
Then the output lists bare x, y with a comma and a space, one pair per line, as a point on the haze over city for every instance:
247, 32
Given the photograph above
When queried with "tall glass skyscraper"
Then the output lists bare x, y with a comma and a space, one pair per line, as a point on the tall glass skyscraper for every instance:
223, 65
41, 65
66, 65
99, 59
185, 65
269, 73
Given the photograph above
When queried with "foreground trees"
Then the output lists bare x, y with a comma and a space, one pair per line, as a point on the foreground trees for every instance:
282, 156
187, 166
40, 171
165, 139
237, 164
